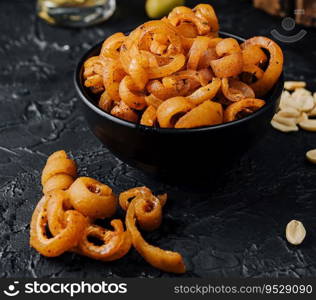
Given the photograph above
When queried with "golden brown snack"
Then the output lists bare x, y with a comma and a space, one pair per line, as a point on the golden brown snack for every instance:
93, 74
274, 69
57, 205
204, 93
131, 98
244, 106
253, 55
111, 46
92, 198
198, 48
165, 260
114, 244
66, 239
149, 116
124, 112
235, 90
148, 209
206, 114
206, 11
143, 206
106, 103
171, 110
59, 172
113, 73
230, 63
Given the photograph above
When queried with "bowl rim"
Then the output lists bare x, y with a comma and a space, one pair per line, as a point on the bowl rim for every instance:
82, 91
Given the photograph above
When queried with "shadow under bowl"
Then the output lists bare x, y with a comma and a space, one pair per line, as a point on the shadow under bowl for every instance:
176, 154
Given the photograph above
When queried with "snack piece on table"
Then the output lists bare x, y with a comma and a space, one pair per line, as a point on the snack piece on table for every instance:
142, 206
59, 172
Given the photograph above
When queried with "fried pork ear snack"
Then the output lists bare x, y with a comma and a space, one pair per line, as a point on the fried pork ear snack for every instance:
207, 113
114, 244
66, 239
274, 69
93, 74
235, 90
124, 112
59, 172
204, 93
57, 205
146, 209
92, 198
178, 56
253, 55
231, 62
171, 110
243, 107
149, 116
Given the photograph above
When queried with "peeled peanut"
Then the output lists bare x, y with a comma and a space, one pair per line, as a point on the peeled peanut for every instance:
311, 156
301, 92
312, 112
303, 117
295, 232
306, 102
283, 128
292, 85
289, 112
309, 124
284, 120
286, 101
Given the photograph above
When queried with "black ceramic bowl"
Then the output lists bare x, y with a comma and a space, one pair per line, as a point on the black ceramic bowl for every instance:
177, 153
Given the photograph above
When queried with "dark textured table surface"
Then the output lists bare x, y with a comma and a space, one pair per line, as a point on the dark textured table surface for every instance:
233, 227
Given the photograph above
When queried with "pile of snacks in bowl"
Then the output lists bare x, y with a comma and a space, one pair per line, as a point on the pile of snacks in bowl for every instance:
178, 73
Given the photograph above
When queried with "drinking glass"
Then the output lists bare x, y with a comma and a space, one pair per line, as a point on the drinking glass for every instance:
75, 13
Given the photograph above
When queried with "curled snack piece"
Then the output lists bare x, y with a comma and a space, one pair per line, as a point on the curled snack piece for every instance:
182, 14
206, 11
175, 65
251, 73
152, 100
131, 98
274, 69
148, 208
149, 116
106, 103
57, 204
165, 260
59, 172
235, 90
253, 55
93, 74
58, 181
207, 92
113, 73
92, 198
113, 244
110, 47
231, 62
244, 106
124, 112
199, 46
207, 113
67, 238
171, 110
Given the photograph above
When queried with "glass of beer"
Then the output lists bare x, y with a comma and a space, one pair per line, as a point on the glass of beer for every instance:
75, 13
